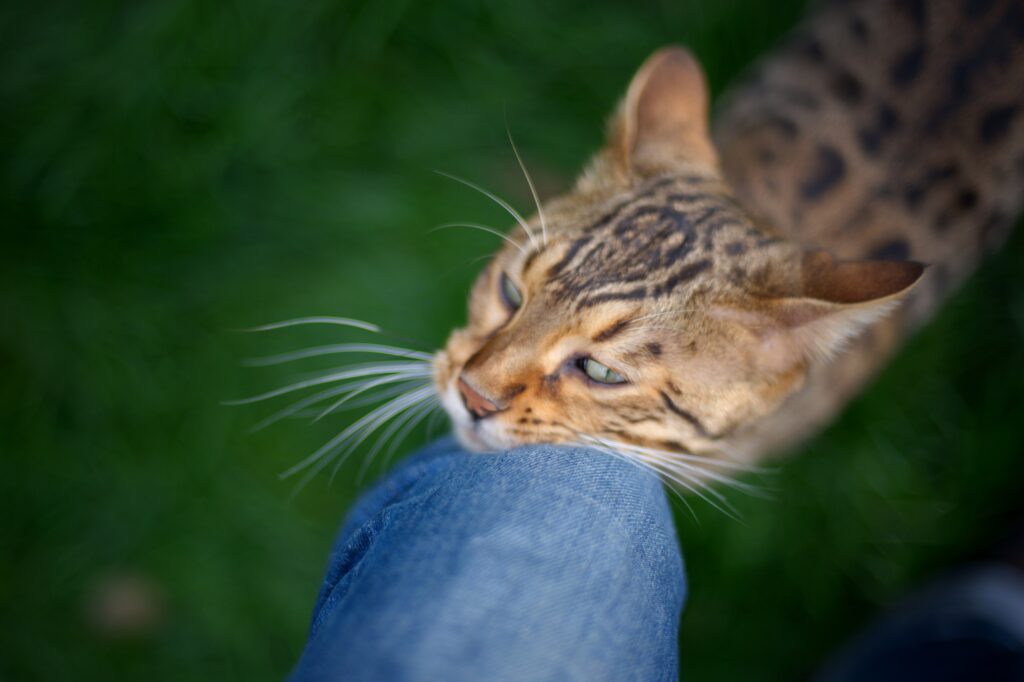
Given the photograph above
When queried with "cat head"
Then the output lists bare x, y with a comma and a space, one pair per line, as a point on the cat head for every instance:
646, 307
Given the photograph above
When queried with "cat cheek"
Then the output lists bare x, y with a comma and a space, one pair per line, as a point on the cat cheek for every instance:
460, 346
442, 369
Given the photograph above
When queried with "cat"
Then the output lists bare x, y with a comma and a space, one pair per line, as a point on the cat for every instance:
650, 308
694, 300
702, 299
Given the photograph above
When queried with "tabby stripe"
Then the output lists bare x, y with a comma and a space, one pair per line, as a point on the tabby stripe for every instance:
693, 421
684, 275
613, 330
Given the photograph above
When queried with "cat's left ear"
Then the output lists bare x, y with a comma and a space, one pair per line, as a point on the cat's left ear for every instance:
663, 120
835, 302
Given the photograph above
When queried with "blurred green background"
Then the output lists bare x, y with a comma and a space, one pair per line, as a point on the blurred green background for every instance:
176, 169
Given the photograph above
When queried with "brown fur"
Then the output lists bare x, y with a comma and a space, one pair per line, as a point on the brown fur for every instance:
717, 304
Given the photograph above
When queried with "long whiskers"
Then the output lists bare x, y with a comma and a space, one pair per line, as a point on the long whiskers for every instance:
342, 445
317, 351
401, 396
433, 409
299, 408
401, 392
396, 433
316, 319
529, 181
410, 369
498, 200
359, 390
699, 460
588, 441
671, 477
484, 228
683, 469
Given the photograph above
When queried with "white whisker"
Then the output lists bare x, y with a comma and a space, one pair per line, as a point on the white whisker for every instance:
589, 441
363, 388
391, 368
322, 455
412, 416
699, 489
674, 467
379, 396
401, 391
690, 473
689, 457
434, 419
689, 483
378, 422
672, 460
484, 228
317, 351
318, 319
299, 408
529, 181
433, 408
498, 200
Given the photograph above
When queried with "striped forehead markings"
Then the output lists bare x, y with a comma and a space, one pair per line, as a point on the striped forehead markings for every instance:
613, 330
647, 241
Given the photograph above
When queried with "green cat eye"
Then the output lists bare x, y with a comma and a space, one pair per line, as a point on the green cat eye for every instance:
513, 297
600, 373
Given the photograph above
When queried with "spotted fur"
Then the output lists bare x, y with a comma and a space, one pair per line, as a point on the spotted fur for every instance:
743, 289
926, 162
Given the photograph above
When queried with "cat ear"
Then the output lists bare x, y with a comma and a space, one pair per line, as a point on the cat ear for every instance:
835, 302
664, 117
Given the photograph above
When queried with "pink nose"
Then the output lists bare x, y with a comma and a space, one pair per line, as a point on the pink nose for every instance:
477, 405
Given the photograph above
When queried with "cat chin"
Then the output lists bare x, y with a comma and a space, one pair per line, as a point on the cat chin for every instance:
481, 436
471, 440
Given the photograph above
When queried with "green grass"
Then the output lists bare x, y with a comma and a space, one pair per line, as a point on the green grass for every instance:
173, 170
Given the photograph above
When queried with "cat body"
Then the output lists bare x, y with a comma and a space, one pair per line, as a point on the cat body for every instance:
719, 300
886, 129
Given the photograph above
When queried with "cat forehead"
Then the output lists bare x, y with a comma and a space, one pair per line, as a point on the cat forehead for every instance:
664, 238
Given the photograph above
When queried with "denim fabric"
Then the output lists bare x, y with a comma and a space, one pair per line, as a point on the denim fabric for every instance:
541, 563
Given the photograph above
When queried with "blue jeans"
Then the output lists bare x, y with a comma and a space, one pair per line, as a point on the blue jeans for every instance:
549, 563
541, 563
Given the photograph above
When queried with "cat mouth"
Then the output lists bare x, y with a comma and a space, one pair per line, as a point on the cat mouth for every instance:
476, 435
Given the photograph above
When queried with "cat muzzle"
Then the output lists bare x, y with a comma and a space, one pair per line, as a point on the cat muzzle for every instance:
479, 407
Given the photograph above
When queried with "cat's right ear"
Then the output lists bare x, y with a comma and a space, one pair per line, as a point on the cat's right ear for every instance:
663, 120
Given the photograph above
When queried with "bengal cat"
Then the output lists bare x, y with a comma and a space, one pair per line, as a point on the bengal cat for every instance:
699, 301
723, 298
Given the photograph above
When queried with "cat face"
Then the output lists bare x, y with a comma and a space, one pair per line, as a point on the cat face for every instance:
647, 307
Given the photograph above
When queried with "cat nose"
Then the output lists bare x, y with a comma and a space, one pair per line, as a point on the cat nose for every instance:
478, 406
